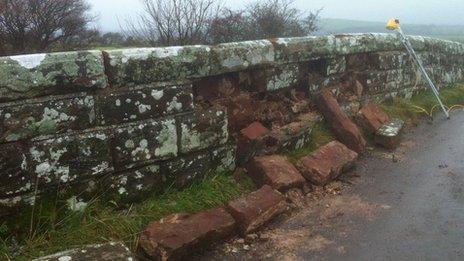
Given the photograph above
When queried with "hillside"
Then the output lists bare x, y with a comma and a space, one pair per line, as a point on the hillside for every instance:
338, 26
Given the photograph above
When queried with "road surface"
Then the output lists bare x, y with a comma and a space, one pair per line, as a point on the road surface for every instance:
409, 206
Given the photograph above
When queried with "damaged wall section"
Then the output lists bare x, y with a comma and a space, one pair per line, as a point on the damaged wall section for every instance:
134, 121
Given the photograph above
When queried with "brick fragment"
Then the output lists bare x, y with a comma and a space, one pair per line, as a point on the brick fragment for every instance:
178, 235
275, 171
327, 163
257, 208
345, 130
372, 117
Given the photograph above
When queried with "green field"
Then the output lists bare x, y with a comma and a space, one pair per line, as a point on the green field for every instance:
339, 26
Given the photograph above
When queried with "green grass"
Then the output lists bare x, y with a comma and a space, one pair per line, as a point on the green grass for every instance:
320, 136
56, 229
421, 104
410, 111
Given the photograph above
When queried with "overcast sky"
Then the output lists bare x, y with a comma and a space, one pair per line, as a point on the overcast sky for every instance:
409, 11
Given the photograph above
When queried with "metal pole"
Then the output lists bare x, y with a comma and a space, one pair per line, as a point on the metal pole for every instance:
424, 73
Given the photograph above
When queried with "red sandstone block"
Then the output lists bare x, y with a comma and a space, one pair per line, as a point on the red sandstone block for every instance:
345, 130
178, 235
257, 208
254, 131
275, 171
372, 118
250, 141
327, 163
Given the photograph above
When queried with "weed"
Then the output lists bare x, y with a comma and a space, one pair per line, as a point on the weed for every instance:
320, 135
57, 229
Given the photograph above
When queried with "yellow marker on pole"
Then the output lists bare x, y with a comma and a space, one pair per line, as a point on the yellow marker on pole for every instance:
394, 25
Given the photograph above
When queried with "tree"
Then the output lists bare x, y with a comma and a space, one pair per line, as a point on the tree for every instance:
278, 18
39, 25
263, 20
173, 22
229, 26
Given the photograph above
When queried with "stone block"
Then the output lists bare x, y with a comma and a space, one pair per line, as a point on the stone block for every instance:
148, 65
372, 117
70, 157
224, 158
136, 184
327, 163
284, 76
144, 142
177, 236
257, 208
275, 171
203, 130
345, 130
14, 178
183, 171
250, 141
233, 57
389, 135
292, 136
114, 251
33, 75
144, 103
53, 115
336, 65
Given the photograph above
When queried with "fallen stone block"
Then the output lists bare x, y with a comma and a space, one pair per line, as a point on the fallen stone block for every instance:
250, 141
103, 252
327, 163
292, 136
178, 235
257, 208
345, 130
389, 135
372, 118
275, 171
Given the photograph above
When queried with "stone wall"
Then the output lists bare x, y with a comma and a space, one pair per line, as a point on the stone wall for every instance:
134, 121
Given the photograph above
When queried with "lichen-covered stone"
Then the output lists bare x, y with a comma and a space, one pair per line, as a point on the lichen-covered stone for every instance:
284, 76
113, 251
223, 158
143, 103
202, 130
52, 115
27, 76
144, 142
375, 82
293, 136
14, 178
182, 171
148, 65
336, 65
389, 135
135, 185
231, 57
68, 158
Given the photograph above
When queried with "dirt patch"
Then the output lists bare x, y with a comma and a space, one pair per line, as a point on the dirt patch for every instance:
286, 243
348, 205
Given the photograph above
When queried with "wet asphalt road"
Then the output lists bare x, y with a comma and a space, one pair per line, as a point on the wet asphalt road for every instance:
407, 208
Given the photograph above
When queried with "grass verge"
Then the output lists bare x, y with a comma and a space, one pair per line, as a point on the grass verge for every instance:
422, 104
320, 135
56, 229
